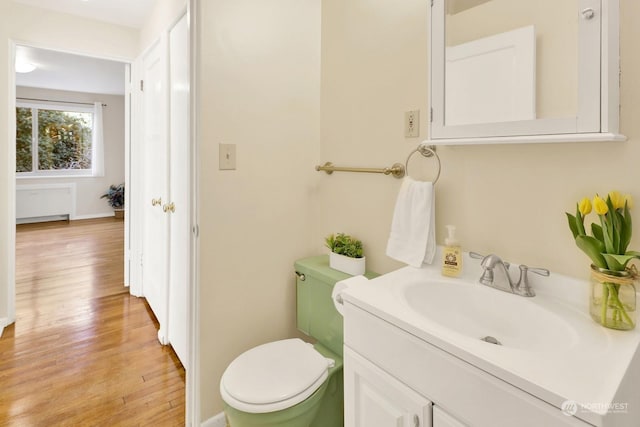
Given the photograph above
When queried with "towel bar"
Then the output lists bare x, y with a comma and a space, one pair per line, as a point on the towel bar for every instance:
396, 170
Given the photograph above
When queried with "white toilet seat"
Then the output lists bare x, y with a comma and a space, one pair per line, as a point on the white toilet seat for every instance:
274, 376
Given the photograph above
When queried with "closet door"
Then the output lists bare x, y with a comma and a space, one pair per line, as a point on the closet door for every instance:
155, 183
179, 177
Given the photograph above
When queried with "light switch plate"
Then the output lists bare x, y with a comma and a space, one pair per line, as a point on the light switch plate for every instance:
227, 159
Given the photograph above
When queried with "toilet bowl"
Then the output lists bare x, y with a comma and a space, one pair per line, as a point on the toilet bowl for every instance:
286, 383
291, 383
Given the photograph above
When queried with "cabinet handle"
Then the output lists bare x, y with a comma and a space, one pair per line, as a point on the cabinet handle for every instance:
416, 421
588, 13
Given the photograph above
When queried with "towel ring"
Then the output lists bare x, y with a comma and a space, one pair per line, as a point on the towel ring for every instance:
426, 151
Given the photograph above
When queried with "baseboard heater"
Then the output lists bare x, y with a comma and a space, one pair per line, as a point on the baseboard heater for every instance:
45, 202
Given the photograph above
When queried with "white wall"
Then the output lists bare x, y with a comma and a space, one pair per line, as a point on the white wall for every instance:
259, 86
51, 30
89, 189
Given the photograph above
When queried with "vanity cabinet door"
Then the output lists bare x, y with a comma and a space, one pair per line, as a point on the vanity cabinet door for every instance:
375, 399
442, 419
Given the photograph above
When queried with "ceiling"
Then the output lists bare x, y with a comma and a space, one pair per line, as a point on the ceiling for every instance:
129, 13
64, 71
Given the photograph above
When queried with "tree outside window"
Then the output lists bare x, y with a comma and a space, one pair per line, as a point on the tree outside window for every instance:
53, 139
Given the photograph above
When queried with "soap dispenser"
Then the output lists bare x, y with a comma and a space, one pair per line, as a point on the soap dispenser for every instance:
451, 255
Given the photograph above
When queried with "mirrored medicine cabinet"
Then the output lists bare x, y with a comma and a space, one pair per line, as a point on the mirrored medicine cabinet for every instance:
509, 71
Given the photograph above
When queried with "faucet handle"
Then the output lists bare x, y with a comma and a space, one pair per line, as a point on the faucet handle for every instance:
540, 271
522, 287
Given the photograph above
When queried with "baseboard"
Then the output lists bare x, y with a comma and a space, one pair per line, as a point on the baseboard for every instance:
63, 218
218, 421
93, 216
35, 219
3, 323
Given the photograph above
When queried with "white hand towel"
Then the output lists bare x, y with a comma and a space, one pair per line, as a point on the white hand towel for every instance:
412, 239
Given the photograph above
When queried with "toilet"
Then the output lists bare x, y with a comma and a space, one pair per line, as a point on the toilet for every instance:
291, 383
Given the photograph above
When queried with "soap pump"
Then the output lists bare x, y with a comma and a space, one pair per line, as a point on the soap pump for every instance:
452, 254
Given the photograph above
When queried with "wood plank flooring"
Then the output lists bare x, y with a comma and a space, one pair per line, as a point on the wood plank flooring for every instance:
83, 352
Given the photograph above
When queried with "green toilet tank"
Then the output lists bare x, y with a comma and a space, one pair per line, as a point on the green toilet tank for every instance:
316, 314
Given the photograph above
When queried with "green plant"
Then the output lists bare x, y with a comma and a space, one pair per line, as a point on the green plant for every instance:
343, 244
115, 196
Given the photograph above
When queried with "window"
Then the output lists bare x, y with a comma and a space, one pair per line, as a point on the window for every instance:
53, 140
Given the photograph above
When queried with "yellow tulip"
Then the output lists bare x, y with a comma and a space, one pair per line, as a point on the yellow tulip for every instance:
629, 200
616, 200
600, 206
585, 206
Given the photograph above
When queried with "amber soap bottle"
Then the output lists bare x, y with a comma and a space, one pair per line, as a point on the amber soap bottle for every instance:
452, 254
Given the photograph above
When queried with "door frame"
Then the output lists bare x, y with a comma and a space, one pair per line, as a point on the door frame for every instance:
11, 150
192, 398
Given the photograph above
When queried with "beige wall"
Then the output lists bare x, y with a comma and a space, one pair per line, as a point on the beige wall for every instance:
373, 70
51, 30
89, 189
259, 88
504, 199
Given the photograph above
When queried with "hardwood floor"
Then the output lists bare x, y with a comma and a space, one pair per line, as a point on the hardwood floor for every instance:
83, 352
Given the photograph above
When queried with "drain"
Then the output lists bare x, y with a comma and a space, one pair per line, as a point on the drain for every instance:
491, 340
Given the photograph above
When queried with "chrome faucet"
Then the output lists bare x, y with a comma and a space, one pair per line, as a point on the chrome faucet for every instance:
496, 274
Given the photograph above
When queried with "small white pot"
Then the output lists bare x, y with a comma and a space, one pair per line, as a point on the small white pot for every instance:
353, 266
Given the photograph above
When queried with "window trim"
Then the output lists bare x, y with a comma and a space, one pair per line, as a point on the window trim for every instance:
54, 173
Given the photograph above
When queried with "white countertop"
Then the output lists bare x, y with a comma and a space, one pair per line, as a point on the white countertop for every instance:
588, 368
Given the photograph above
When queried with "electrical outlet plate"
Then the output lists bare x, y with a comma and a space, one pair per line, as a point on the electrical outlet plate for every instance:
227, 159
412, 124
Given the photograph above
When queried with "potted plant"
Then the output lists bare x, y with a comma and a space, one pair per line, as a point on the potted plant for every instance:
612, 300
346, 254
115, 197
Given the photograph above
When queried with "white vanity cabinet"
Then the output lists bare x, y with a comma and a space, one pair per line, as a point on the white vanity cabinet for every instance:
374, 398
393, 378
442, 419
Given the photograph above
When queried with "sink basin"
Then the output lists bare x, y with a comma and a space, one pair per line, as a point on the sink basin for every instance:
477, 312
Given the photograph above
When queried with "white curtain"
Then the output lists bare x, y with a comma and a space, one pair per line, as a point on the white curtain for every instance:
97, 158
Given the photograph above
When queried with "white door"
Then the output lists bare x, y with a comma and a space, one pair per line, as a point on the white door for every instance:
373, 398
155, 183
179, 176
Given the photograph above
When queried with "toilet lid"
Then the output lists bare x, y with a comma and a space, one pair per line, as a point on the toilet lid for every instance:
274, 376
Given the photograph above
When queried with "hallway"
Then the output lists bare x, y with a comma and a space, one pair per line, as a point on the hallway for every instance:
83, 351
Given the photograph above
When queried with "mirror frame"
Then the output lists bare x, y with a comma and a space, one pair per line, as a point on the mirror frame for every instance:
597, 118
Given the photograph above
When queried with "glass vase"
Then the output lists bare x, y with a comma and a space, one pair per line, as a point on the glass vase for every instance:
612, 302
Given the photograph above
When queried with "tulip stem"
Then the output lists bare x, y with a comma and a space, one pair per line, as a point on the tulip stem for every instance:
605, 303
618, 304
